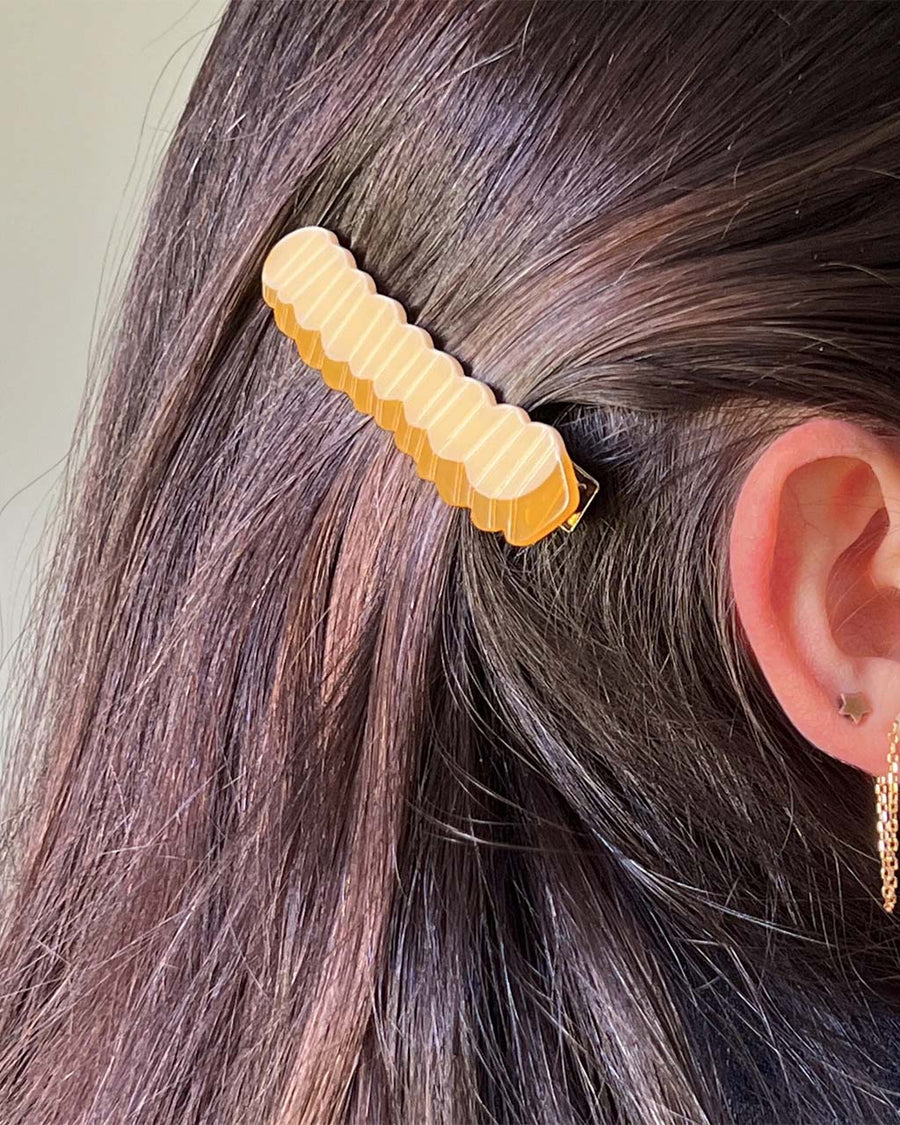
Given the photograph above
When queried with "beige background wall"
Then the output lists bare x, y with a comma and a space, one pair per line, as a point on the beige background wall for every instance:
89, 92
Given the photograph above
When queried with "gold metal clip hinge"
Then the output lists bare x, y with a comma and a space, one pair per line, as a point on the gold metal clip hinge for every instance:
587, 490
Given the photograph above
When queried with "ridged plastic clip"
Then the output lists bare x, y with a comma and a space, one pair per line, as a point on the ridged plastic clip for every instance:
514, 474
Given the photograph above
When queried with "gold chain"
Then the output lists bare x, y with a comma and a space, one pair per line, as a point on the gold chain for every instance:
887, 787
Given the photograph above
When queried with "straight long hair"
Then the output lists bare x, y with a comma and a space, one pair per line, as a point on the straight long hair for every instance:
325, 808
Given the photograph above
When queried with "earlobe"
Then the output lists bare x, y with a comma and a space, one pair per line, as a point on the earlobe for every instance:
815, 575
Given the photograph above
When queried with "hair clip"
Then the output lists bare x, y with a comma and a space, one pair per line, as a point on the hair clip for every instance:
514, 474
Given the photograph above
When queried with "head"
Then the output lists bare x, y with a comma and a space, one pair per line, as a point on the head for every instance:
329, 807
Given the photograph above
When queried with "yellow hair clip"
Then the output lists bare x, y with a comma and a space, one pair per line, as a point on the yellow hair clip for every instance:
513, 474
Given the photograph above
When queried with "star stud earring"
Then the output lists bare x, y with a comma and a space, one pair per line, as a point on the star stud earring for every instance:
854, 706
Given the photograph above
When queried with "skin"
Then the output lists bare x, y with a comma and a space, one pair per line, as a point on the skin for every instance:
815, 567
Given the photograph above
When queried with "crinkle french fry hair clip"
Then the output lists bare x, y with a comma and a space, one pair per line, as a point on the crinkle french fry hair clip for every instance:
512, 473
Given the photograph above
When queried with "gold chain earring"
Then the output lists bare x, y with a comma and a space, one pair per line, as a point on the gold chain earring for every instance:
887, 787
855, 706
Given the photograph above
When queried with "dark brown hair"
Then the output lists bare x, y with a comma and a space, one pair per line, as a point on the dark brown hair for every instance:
327, 808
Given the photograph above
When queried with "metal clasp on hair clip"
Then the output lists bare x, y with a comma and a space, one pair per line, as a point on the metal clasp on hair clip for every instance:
514, 474
588, 488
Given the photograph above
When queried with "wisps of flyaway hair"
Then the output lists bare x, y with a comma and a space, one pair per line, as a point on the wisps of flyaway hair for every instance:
325, 807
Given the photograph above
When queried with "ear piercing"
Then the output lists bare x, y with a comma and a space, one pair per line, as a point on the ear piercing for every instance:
855, 706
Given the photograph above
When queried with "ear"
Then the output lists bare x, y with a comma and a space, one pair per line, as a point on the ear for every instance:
814, 553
